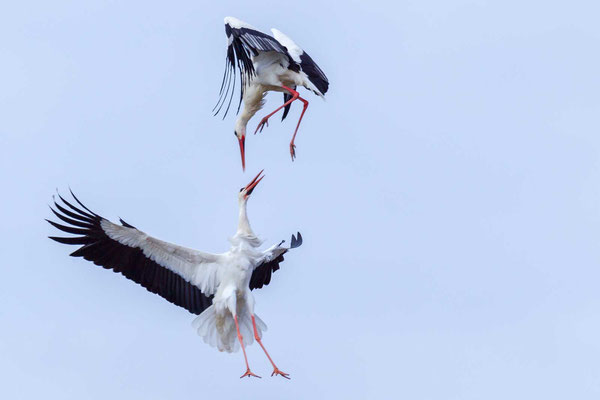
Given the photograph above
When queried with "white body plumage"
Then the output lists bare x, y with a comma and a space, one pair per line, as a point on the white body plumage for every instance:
233, 297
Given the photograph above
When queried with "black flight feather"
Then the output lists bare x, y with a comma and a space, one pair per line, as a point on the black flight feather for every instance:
100, 249
261, 275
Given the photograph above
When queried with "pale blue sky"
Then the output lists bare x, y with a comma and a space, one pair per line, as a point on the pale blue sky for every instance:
447, 190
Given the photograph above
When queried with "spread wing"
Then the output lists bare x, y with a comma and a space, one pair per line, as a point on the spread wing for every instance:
243, 42
272, 257
185, 277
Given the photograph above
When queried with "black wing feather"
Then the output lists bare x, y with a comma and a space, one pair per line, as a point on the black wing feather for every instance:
70, 220
244, 43
100, 249
314, 73
296, 241
261, 275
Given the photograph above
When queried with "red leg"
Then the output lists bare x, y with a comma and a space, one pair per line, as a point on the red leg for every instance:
292, 146
241, 339
265, 120
276, 370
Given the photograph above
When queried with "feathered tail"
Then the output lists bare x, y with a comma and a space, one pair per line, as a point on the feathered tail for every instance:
218, 330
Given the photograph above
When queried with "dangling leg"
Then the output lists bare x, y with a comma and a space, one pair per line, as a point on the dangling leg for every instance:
241, 339
276, 370
265, 120
292, 146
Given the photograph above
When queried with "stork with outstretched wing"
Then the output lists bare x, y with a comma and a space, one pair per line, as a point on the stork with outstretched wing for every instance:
265, 63
215, 286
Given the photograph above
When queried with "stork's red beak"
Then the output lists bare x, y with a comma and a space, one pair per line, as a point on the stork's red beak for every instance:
242, 151
250, 187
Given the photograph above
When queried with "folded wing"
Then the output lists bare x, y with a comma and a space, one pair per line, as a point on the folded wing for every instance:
315, 75
243, 42
185, 277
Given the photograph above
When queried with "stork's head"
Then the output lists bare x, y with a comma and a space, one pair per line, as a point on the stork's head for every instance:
240, 134
246, 191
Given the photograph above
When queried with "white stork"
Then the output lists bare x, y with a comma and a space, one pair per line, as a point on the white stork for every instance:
215, 286
265, 63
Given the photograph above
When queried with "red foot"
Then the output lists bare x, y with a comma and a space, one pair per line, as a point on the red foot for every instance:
263, 122
293, 150
276, 371
249, 373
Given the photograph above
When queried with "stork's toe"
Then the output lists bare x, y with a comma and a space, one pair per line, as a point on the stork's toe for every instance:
249, 373
276, 371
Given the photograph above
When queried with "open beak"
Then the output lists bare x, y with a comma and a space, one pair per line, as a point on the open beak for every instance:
250, 187
242, 151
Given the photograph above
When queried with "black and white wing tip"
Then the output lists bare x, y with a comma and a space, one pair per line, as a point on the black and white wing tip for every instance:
243, 42
99, 248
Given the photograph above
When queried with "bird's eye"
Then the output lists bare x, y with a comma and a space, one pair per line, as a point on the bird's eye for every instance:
235, 133
241, 189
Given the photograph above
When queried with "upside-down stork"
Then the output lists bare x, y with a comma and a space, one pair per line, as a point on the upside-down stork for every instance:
265, 63
215, 286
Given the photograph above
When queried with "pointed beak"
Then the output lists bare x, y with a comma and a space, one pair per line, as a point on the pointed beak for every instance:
250, 187
242, 141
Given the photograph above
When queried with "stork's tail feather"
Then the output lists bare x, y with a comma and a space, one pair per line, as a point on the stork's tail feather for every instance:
219, 330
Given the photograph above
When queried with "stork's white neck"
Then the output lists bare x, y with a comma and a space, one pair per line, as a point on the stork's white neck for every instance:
243, 223
244, 235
